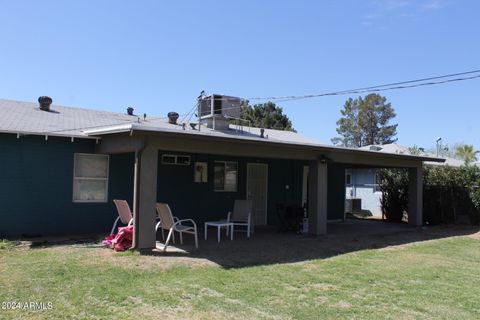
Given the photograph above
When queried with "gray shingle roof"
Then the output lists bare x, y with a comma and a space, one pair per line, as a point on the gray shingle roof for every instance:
398, 149
27, 118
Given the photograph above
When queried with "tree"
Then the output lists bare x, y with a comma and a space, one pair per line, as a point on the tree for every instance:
415, 150
466, 153
266, 115
366, 121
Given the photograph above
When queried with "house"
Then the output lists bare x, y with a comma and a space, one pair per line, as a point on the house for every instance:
362, 184
63, 166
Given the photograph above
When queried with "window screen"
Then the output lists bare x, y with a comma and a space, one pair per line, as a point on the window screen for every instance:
90, 178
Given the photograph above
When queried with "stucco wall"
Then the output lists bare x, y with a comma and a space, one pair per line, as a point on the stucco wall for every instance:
362, 186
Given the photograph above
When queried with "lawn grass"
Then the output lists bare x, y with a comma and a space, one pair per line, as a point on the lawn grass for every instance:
438, 279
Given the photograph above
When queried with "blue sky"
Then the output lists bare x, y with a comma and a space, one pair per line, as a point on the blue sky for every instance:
157, 56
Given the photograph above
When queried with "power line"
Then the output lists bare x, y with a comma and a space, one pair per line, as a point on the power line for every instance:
380, 89
384, 87
377, 88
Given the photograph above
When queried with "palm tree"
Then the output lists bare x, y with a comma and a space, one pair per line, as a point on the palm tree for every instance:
467, 153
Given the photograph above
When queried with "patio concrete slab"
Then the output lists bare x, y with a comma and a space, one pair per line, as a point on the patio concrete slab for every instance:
269, 246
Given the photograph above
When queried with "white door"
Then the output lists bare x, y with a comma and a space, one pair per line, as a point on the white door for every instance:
257, 184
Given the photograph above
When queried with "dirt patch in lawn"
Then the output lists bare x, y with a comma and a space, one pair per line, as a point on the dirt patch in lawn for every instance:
475, 235
99, 257
268, 246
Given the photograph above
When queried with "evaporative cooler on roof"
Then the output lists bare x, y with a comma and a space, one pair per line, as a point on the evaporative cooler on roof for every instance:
220, 105
215, 110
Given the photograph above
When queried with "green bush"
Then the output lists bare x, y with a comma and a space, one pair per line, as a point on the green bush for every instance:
447, 193
394, 187
443, 193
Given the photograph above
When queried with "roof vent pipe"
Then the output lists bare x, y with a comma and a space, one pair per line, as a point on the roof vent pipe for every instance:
45, 103
172, 117
262, 133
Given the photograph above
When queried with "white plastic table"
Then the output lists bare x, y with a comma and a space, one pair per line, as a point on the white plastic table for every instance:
219, 225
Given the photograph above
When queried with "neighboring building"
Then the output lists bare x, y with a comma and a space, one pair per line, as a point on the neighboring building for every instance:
63, 166
363, 184
362, 187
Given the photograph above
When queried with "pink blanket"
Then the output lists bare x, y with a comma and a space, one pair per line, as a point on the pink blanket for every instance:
122, 240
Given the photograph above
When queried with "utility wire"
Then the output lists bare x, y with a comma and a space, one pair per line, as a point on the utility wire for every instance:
380, 89
376, 88
190, 113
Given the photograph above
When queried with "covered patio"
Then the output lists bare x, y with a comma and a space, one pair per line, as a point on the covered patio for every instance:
325, 182
269, 246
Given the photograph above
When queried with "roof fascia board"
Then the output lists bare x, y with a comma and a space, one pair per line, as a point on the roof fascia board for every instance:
49, 134
196, 135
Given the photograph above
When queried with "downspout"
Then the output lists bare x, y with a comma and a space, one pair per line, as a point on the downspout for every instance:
136, 188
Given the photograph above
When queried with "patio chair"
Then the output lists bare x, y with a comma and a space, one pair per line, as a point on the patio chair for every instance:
124, 213
168, 222
159, 220
242, 215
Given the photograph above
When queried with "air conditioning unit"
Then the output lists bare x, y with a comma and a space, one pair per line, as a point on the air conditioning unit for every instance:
215, 110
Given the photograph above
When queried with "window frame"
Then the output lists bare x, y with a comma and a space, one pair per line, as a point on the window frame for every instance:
176, 163
75, 178
377, 181
225, 174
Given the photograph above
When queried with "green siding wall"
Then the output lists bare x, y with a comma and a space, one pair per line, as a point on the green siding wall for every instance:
36, 187
188, 199
36, 181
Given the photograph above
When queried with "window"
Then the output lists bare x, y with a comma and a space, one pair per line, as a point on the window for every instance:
377, 182
176, 159
225, 176
348, 179
90, 178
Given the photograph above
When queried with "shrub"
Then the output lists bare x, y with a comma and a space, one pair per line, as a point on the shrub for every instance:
394, 187
443, 194
448, 192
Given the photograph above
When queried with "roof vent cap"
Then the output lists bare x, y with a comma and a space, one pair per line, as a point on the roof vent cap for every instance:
45, 103
172, 117
130, 111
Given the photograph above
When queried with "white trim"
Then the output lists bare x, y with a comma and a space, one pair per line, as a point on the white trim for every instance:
175, 163
109, 129
51, 134
266, 188
106, 179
